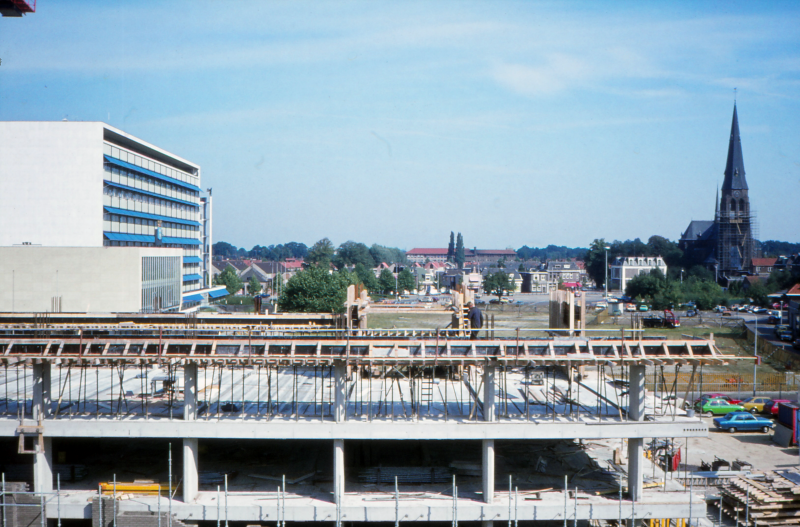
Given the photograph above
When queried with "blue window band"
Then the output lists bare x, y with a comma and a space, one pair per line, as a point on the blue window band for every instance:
146, 193
144, 238
147, 216
147, 172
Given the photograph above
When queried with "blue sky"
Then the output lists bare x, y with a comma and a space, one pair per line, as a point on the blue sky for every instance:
397, 122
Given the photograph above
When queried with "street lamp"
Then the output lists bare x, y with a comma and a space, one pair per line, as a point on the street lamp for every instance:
755, 352
606, 280
681, 276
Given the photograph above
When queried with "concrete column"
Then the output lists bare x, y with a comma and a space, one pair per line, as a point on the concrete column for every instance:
338, 471
189, 393
636, 445
43, 468
340, 383
488, 392
41, 390
190, 478
488, 470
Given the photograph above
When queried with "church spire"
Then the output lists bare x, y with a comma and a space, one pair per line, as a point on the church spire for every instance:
734, 168
716, 210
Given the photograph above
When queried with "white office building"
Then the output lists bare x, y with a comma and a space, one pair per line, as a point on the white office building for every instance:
624, 268
74, 186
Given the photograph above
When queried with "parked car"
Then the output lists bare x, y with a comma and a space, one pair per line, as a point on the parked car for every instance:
758, 309
714, 407
772, 406
785, 335
773, 319
755, 405
691, 312
644, 307
717, 396
727, 314
735, 421
779, 328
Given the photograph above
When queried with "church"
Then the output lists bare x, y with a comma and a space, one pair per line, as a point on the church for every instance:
726, 245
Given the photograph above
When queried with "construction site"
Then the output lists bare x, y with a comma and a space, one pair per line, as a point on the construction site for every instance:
161, 420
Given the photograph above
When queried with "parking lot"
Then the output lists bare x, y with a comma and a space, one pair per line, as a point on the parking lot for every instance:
754, 447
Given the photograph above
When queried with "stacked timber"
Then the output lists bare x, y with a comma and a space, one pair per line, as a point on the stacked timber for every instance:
771, 501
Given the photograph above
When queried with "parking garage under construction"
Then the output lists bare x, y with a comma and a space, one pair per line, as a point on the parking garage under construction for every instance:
148, 420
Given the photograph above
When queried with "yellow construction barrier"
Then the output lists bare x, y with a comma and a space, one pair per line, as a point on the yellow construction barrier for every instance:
145, 489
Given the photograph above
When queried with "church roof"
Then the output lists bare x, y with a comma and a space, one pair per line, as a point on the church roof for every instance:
734, 168
699, 230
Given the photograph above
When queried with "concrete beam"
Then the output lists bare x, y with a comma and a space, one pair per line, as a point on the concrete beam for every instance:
352, 429
43, 468
190, 392
255, 508
190, 470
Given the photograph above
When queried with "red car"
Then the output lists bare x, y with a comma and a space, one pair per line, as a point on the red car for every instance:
718, 396
772, 406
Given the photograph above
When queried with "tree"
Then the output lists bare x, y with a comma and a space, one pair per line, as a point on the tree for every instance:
501, 263
389, 255
497, 284
352, 253
229, 279
224, 250
367, 278
521, 268
595, 260
646, 285
253, 285
459, 256
405, 281
320, 254
386, 282
315, 290
451, 248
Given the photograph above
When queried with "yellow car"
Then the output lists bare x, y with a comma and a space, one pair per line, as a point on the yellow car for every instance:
755, 405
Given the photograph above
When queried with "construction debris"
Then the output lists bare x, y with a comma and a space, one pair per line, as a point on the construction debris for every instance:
381, 475
770, 502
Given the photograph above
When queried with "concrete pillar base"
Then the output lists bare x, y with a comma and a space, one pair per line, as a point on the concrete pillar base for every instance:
488, 470
190, 392
190, 468
340, 390
43, 467
338, 471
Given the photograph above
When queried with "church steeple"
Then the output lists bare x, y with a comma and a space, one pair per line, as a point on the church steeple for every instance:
734, 169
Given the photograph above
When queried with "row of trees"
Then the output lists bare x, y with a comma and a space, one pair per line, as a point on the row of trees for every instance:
352, 253
551, 252
272, 252
665, 292
319, 289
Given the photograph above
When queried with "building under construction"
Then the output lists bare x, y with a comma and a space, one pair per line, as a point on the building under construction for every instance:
161, 420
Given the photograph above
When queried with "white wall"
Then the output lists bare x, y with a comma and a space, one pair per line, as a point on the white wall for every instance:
88, 279
51, 183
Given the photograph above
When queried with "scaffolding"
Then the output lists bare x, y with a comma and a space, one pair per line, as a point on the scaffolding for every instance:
737, 238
